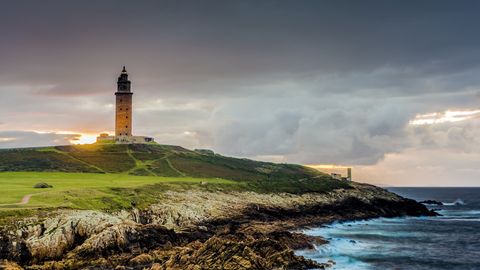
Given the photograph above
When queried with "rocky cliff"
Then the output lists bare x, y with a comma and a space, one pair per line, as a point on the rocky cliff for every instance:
194, 230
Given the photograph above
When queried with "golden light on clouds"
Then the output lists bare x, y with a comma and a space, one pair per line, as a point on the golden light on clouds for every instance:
327, 166
444, 117
76, 137
71, 137
331, 168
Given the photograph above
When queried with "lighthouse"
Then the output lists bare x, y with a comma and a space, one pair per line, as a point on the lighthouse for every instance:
123, 106
123, 115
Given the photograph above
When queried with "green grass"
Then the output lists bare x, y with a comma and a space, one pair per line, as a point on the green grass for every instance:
84, 190
141, 159
195, 166
109, 162
111, 177
40, 160
163, 167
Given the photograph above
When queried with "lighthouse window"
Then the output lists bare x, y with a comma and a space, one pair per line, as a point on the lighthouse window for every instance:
127, 109
120, 109
120, 100
126, 126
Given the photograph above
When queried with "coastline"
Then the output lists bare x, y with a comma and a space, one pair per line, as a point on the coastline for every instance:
197, 230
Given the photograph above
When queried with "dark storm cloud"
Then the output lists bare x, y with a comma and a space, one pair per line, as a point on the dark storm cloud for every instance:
314, 81
182, 42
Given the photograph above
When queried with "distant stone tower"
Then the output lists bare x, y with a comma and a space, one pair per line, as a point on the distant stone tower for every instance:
123, 111
123, 116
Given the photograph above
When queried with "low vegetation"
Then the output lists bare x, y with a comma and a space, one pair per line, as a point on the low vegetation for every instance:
42, 185
88, 190
113, 177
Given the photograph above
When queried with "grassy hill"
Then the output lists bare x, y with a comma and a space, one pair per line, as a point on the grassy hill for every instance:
110, 176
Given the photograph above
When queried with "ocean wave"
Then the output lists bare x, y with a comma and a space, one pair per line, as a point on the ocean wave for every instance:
467, 212
453, 213
460, 219
375, 244
342, 251
456, 202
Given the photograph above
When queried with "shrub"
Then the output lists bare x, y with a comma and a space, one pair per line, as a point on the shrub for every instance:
42, 185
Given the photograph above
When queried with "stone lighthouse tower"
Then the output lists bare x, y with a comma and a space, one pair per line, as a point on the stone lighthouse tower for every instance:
123, 107
123, 115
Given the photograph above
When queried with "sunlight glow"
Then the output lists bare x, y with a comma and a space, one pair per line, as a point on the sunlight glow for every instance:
72, 136
444, 117
84, 139
331, 168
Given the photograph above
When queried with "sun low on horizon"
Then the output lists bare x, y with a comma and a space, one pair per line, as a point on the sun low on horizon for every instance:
84, 139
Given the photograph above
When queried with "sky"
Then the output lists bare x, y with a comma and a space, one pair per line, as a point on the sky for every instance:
390, 88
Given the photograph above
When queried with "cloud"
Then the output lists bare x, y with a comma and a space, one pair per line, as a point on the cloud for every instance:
272, 134
443, 117
414, 167
352, 127
12, 139
310, 82
460, 137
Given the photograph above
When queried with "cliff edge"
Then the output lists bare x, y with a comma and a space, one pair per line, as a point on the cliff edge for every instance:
196, 229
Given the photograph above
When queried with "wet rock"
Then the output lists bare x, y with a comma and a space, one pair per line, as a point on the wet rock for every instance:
296, 241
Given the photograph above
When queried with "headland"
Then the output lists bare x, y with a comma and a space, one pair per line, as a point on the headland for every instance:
150, 206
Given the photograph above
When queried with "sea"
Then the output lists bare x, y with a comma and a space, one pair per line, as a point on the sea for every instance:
449, 241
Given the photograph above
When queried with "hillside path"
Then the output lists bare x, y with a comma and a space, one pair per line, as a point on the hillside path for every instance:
171, 165
138, 164
25, 199
53, 149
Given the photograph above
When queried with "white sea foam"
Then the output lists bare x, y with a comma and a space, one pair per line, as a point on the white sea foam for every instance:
345, 251
339, 250
460, 219
381, 243
456, 202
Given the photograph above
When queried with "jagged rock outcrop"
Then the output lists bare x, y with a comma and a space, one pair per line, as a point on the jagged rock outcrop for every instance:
198, 230
67, 230
128, 238
237, 252
180, 210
